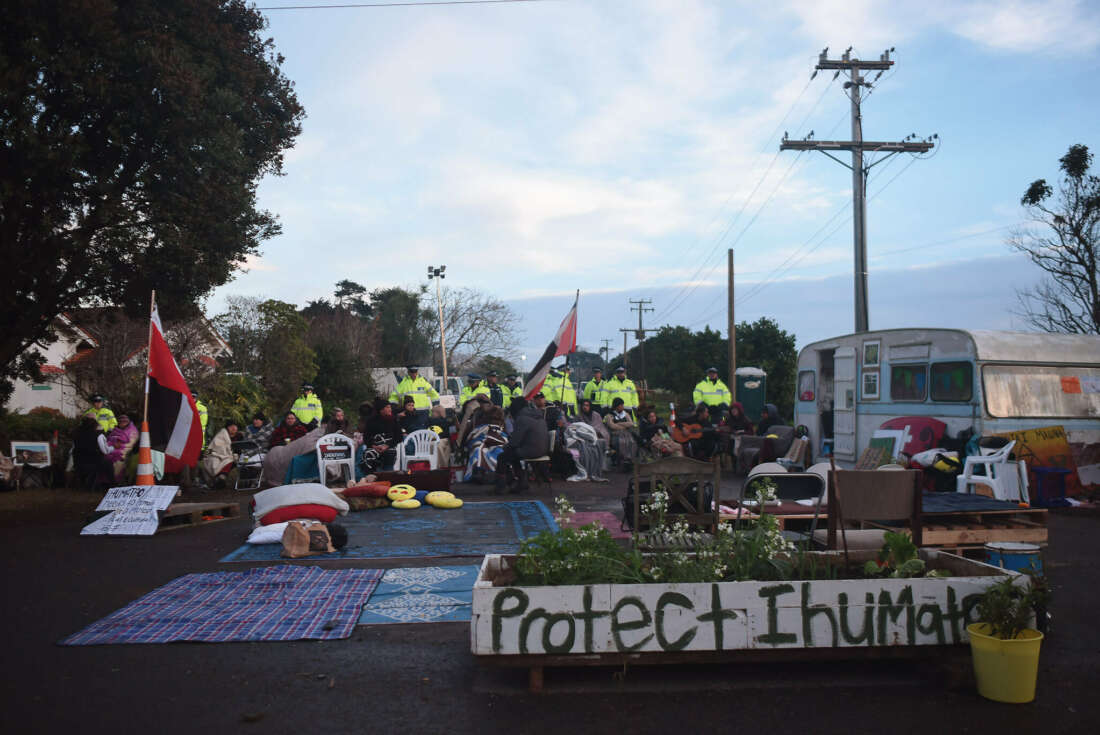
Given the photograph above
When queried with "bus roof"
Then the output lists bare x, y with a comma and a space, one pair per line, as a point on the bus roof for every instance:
1004, 346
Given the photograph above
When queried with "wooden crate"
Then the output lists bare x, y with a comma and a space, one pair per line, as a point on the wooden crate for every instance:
188, 515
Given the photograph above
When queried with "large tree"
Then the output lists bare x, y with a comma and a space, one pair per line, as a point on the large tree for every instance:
476, 325
1066, 244
133, 134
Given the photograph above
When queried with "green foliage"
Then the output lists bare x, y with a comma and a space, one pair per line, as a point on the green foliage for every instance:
404, 326
1008, 608
1066, 246
677, 359
234, 396
898, 558
132, 139
583, 363
38, 425
502, 365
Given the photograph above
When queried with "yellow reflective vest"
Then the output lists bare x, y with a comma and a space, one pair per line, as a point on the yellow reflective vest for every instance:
307, 408
595, 391
468, 393
624, 389
712, 394
105, 417
203, 418
420, 389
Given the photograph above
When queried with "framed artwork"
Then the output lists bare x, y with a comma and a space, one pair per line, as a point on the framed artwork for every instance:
35, 454
870, 385
871, 353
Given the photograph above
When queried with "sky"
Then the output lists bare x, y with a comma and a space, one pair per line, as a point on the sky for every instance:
619, 148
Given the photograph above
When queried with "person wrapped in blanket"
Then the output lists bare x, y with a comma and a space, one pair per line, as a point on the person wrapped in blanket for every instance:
620, 423
260, 431
484, 443
122, 440
655, 438
219, 455
586, 438
380, 436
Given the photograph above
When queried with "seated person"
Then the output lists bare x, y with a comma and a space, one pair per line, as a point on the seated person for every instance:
337, 423
530, 440
738, 422
260, 431
485, 442
705, 446
654, 436
769, 417
122, 439
409, 419
620, 424
219, 455
288, 431
90, 450
380, 437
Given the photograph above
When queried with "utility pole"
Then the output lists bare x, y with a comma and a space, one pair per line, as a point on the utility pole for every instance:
732, 332
857, 145
640, 306
606, 352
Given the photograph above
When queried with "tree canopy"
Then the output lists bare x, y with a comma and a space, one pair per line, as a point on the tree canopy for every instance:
1066, 245
133, 134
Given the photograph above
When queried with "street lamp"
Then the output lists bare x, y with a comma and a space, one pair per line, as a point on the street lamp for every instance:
439, 275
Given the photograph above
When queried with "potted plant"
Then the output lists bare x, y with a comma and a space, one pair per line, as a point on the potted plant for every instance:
1004, 647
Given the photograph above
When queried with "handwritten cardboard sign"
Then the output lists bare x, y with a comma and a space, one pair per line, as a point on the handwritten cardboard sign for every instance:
133, 510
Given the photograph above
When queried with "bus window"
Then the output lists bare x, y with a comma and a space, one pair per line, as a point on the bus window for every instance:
1041, 391
908, 382
806, 385
952, 381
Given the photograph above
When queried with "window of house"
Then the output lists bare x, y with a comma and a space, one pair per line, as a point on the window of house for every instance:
909, 382
952, 381
1041, 391
806, 380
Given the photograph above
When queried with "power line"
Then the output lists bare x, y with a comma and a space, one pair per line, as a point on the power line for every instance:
397, 5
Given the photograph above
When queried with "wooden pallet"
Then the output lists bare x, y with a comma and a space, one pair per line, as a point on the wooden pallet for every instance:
189, 515
976, 529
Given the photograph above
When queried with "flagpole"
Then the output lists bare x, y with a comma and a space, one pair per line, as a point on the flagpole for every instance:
149, 354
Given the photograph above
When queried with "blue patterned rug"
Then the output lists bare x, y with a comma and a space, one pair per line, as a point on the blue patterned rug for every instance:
422, 595
283, 603
475, 529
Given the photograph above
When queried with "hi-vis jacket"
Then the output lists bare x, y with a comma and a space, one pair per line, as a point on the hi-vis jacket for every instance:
105, 417
620, 388
712, 394
594, 390
420, 389
307, 408
468, 392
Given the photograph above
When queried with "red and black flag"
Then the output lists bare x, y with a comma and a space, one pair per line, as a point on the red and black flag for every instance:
174, 426
565, 342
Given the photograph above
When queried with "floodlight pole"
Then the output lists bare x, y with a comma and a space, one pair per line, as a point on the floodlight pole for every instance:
438, 274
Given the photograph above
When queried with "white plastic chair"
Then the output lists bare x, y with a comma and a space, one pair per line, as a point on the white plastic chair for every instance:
336, 450
423, 444
1006, 479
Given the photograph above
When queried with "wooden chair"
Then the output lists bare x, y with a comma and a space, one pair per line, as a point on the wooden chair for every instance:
676, 475
869, 496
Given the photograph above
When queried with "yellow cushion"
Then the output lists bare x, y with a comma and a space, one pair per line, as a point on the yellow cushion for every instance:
401, 492
405, 504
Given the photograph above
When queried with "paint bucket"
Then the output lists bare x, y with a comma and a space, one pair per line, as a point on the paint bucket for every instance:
1016, 557
1006, 670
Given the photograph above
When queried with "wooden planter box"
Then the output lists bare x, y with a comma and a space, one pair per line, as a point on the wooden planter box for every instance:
583, 623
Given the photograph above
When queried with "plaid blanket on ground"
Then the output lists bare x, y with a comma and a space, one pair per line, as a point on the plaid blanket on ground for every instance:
283, 603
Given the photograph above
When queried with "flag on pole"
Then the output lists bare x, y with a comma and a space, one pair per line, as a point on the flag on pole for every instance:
565, 342
174, 426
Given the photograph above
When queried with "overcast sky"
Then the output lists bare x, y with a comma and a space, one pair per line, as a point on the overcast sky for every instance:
619, 148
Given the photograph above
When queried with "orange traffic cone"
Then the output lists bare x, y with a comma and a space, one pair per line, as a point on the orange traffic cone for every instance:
145, 458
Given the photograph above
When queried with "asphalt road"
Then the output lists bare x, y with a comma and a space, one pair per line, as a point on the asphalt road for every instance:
421, 678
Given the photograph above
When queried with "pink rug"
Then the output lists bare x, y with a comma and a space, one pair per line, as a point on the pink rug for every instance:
608, 520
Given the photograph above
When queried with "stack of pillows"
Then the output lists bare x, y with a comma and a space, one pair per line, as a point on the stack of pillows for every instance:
291, 502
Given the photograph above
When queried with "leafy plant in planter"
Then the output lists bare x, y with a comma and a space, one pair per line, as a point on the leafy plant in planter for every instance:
899, 558
1007, 608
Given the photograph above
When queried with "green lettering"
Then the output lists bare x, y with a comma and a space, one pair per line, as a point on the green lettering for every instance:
969, 605
936, 624
673, 598
718, 616
620, 625
886, 608
587, 617
867, 634
499, 611
773, 636
525, 626
808, 613
565, 646
954, 615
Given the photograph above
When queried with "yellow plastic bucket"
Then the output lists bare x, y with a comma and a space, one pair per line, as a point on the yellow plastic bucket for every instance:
1006, 670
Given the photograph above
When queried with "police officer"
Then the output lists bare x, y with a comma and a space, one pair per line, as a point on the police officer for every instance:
515, 389
473, 387
422, 392
594, 390
623, 387
104, 416
308, 406
712, 392
203, 417
568, 391
498, 394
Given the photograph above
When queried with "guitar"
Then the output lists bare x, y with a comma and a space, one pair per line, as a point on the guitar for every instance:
683, 433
